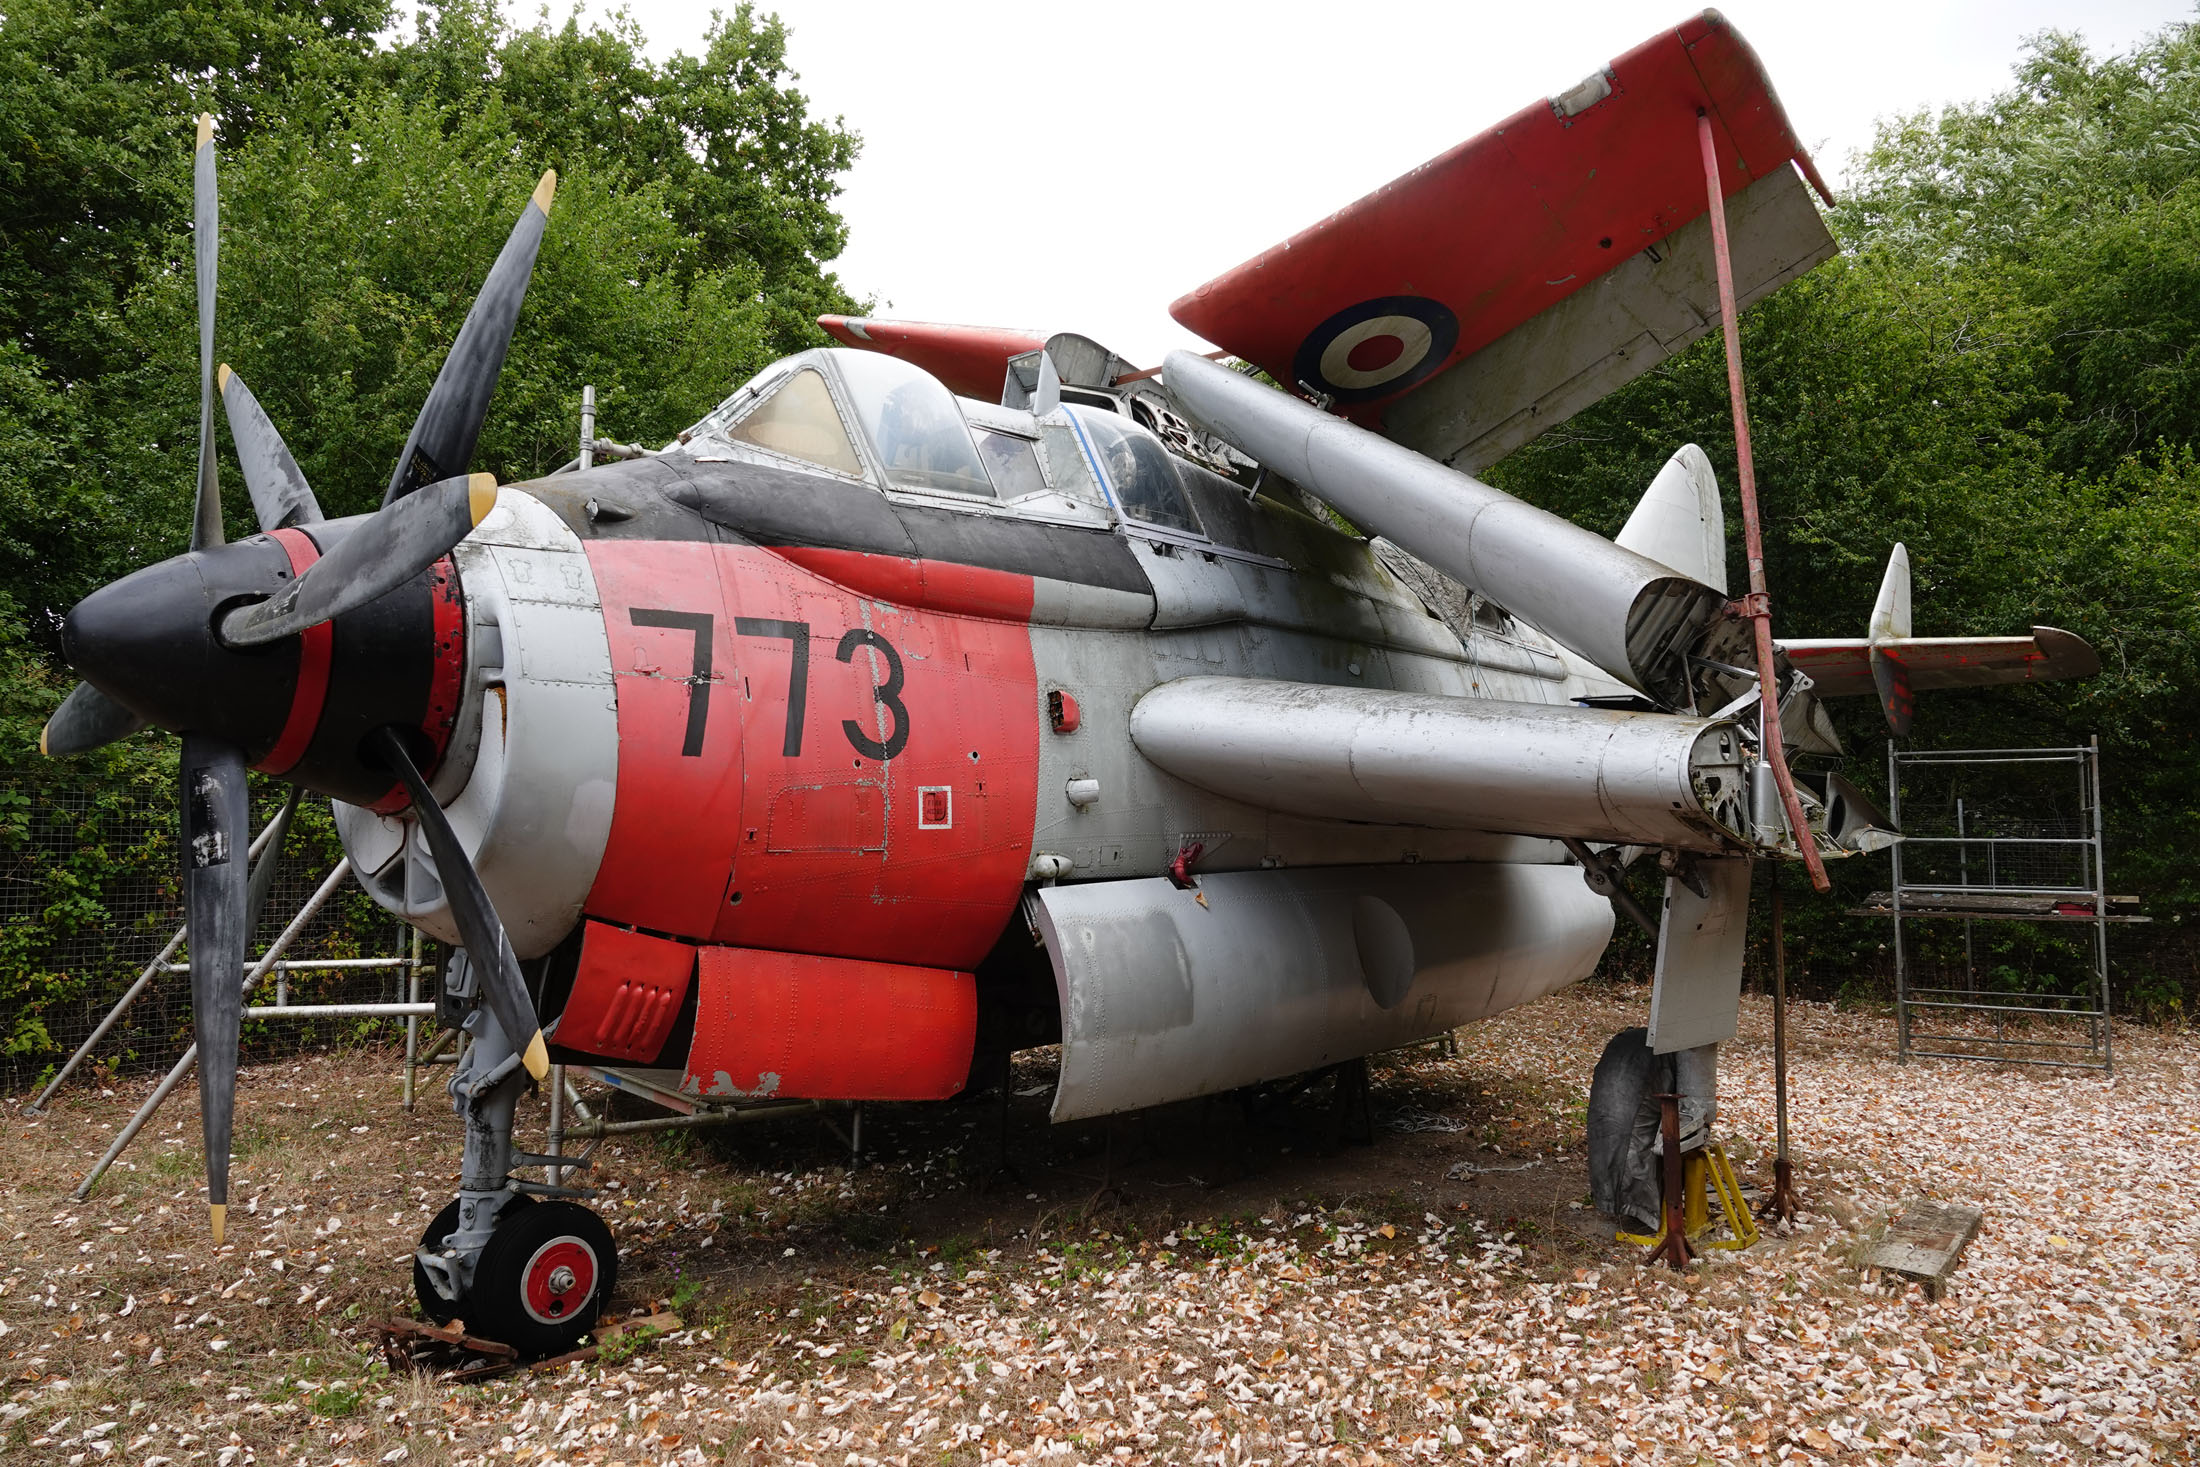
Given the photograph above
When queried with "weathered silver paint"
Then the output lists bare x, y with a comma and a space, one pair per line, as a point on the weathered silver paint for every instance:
1164, 998
533, 769
1452, 763
1698, 992
1624, 613
1145, 815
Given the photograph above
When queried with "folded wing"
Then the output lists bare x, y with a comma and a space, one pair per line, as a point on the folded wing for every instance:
1505, 286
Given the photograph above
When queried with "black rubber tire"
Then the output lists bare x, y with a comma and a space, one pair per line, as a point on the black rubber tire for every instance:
531, 1238
433, 1304
1626, 1075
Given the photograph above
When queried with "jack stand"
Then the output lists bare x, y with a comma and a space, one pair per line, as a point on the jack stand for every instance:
1671, 1244
1705, 1171
1710, 1164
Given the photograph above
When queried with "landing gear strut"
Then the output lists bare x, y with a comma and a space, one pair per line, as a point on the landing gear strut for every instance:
533, 1274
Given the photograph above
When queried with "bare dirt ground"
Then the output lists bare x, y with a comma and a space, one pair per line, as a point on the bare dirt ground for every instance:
1221, 1283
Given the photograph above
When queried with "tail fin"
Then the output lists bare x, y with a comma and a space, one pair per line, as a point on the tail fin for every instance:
1891, 612
1890, 625
1680, 522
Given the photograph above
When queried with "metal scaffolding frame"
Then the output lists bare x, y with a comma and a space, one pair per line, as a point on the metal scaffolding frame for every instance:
412, 1010
2028, 876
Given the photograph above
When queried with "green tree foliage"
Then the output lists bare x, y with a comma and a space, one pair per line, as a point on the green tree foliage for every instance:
366, 185
1998, 370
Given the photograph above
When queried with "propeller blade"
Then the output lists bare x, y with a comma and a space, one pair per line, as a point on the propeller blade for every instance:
443, 436
86, 719
478, 926
270, 862
215, 844
280, 494
383, 552
206, 515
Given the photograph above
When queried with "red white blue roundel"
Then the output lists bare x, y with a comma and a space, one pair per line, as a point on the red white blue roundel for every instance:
1377, 348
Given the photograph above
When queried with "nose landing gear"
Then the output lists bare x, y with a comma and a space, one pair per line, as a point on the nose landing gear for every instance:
532, 1274
542, 1281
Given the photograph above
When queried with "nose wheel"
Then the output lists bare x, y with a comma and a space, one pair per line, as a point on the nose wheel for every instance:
543, 1278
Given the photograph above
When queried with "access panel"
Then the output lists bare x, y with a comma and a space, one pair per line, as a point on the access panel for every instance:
794, 1025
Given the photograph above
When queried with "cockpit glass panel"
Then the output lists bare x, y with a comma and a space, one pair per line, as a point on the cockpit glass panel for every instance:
1012, 462
800, 421
914, 423
1146, 485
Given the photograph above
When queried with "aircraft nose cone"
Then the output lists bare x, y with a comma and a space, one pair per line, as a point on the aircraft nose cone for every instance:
148, 642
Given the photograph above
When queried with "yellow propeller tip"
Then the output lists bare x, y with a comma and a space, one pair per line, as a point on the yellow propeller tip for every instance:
221, 377
218, 1216
206, 128
538, 1057
43, 751
481, 495
546, 190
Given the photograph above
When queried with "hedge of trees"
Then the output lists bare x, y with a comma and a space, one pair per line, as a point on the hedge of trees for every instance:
1999, 369
366, 184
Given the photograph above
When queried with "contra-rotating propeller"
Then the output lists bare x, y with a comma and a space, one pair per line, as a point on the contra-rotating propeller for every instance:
211, 645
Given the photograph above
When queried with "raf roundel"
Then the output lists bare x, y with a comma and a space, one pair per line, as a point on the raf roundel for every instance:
1377, 348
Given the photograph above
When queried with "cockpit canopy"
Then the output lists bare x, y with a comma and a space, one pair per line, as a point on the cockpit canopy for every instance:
915, 430
839, 409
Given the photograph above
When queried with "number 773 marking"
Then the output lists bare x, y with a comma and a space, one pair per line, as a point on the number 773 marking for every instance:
796, 634
886, 694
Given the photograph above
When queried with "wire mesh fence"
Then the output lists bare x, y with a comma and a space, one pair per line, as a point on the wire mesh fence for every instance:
90, 894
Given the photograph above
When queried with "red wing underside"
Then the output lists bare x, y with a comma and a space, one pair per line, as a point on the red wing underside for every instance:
1380, 305
971, 360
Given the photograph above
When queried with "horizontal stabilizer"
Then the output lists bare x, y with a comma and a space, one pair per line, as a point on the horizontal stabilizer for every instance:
1842, 666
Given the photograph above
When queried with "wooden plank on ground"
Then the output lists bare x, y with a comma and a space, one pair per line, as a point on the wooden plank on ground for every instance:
1925, 1242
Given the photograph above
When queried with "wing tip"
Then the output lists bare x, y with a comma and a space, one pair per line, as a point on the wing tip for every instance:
2068, 654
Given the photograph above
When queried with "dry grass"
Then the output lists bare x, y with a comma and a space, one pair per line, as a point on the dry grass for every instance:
1247, 1289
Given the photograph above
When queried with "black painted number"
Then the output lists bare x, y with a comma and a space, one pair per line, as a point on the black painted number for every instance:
698, 622
797, 636
887, 693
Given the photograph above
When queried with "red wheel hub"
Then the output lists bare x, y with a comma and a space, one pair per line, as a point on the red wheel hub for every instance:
559, 1279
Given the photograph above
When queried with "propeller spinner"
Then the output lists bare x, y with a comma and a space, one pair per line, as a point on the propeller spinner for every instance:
212, 645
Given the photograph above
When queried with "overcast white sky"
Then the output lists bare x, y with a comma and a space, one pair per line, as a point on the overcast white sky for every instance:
1079, 166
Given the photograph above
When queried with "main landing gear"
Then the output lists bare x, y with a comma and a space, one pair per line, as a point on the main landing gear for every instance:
519, 1261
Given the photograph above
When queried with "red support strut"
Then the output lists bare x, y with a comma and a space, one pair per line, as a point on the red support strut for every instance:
1758, 606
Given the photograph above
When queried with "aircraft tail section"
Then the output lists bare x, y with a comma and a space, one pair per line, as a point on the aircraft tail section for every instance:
1891, 663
